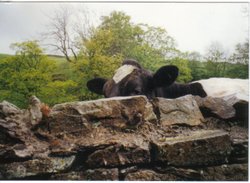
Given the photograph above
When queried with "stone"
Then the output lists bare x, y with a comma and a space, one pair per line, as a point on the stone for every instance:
79, 118
239, 138
225, 94
17, 133
149, 175
226, 98
187, 174
222, 107
95, 125
15, 152
8, 109
231, 172
119, 155
197, 148
35, 167
125, 171
90, 174
223, 172
183, 110
35, 110
101, 174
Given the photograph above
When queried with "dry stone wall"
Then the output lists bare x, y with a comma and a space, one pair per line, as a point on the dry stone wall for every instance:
123, 138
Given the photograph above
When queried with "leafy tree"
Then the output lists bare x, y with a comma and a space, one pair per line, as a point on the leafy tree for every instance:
241, 54
156, 47
237, 71
240, 62
216, 60
196, 64
28, 73
22, 75
124, 34
58, 92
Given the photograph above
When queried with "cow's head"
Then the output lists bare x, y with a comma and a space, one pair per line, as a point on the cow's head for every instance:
131, 79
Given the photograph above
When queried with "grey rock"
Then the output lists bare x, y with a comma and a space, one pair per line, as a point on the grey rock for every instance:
7, 109
150, 175
35, 110
231, 172
225, 107
119, 155
203, 147
183, 110
35, 167
91, 174
78, 118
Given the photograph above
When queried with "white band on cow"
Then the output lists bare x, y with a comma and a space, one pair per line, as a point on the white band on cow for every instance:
122, 72
222, 87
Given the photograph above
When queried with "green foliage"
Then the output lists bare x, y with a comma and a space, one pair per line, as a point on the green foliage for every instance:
155, 48
3, 56
28, 73
58, 92
241, 54
201, 70
198, 70
237, 71
121, 33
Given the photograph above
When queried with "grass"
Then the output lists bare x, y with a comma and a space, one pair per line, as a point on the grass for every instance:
57, 58
3, 55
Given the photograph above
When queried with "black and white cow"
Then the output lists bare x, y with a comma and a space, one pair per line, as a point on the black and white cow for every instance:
131, 79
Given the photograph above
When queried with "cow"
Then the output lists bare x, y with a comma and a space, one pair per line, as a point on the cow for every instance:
131, 79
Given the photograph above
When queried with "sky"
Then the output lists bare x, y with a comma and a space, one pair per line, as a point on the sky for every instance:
194, 26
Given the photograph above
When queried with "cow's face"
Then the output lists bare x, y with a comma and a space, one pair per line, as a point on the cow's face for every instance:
130, 79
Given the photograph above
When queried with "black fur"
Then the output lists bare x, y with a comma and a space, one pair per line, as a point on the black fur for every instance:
143, 82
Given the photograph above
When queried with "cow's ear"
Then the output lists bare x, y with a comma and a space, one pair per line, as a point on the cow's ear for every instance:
165, 76
96, 85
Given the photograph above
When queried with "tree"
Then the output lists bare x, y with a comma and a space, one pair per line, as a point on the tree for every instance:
216, 60
118, 36
25, 73
197, 65
28, 73
67, 30
123, 35
240, 61
241, 53
155, 48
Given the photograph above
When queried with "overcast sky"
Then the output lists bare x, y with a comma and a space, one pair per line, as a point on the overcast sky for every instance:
194, 26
